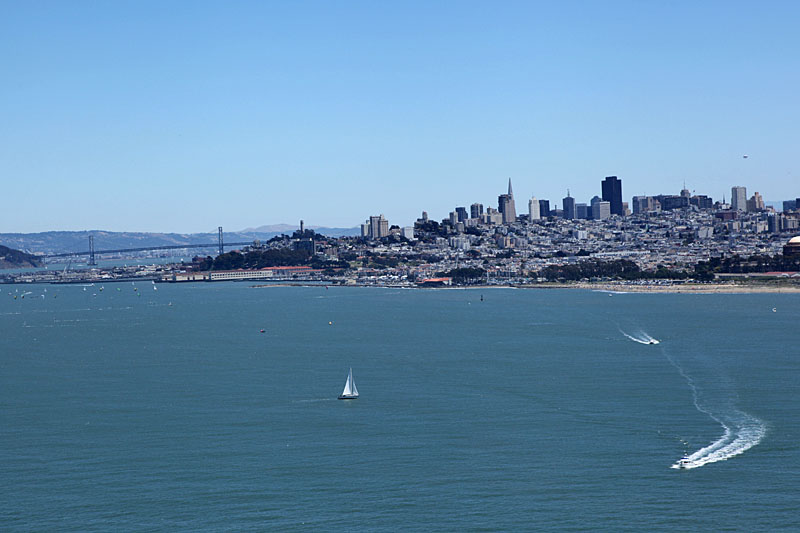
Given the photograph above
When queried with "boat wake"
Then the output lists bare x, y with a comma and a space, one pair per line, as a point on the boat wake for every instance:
641, 338
740, 431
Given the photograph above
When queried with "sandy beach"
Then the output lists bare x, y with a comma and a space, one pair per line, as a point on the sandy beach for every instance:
692, 288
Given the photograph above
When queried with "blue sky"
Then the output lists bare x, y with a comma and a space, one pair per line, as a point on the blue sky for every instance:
182, 116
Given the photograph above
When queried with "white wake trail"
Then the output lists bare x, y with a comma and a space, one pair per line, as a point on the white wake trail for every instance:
741, 431
641, 338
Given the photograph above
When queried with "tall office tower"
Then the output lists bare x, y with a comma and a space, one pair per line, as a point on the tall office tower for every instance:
568, 204
756, 203
544, 208
533, 209
594, 200
453, 218
739, 198
462, 214
365, 229
774, 222
378, 227
612, 193
505, 204
475, 210
581, 211
601, 210
639, 204
789, 205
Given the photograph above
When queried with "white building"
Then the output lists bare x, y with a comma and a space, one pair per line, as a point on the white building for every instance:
533, 209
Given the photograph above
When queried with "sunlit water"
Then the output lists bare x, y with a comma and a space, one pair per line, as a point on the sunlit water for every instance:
133, 408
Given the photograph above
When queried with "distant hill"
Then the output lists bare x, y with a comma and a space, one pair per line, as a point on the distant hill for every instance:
288, 229
10, 258
56, 242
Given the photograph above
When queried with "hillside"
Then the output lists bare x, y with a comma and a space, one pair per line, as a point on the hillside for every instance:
55, 242
10, 258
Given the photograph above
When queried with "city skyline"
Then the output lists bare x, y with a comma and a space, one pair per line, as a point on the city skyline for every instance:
137, 116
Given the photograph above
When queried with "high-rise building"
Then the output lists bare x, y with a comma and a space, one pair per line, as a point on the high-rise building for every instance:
774, 222
601, 210
533, 209
756, 203
581, 211
462, 214
789, 205
592, 202
544, 208
643, 204
702, 201
739, 198
672, 201
505, 204
475, 210
378, 227
568, 204
612, 193
492, 216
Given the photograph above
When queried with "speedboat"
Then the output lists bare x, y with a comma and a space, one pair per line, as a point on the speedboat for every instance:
653, 341
685, 462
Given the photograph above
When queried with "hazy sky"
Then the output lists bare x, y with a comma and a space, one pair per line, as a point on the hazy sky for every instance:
182, 116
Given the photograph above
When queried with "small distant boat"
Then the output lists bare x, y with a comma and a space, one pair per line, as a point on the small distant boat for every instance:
350, 391
685, 462
653, 341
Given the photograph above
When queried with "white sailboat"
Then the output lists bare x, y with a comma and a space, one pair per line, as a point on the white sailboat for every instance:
350, 391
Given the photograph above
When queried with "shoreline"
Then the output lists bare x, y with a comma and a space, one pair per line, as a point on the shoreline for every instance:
692, 288
620, 288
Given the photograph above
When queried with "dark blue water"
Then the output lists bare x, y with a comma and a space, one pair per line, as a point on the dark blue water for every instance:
530, 410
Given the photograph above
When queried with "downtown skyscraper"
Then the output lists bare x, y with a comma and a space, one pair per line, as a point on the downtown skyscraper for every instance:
505, 204
568, 205
739, 198
612, 193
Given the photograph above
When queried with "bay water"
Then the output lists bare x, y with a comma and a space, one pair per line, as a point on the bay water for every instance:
165, 407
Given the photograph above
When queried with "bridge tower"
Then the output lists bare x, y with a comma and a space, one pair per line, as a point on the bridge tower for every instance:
219, 239
91, 262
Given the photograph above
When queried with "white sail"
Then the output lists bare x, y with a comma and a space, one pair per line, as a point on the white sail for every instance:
353, 384
350, 386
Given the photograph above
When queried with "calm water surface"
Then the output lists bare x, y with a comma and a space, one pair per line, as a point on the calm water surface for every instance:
169, 410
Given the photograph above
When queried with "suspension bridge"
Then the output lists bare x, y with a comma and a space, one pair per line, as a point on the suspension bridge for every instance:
92, 253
